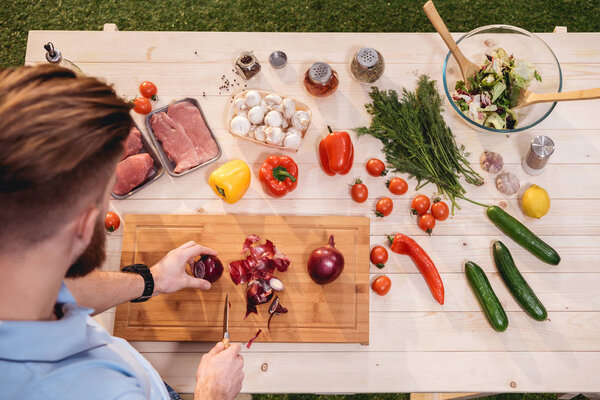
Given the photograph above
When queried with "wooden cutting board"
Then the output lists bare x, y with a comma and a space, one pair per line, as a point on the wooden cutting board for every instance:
337, 312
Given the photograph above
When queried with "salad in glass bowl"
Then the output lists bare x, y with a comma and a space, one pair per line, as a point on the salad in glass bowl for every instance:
491, 94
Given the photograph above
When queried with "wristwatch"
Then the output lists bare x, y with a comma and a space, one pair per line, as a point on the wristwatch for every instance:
144, 271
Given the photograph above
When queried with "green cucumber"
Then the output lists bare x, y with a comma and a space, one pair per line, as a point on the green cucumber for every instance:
487, 298
523, 236
517, 285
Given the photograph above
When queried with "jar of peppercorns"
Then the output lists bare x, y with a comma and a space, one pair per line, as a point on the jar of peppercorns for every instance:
321, 80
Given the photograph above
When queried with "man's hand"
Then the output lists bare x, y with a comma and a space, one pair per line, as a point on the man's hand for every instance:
169, 273
220, 374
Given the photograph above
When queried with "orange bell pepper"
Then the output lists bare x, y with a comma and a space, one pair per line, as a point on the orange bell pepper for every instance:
336, 152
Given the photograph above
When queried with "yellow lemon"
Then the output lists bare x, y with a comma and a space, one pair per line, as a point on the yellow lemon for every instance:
535, 201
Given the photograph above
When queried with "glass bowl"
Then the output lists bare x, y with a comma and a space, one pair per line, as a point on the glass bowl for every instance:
523, 45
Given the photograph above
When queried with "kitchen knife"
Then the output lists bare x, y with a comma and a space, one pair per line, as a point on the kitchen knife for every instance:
226, 322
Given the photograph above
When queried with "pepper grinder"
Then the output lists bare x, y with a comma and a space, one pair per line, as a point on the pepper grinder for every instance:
540, 150
54, 56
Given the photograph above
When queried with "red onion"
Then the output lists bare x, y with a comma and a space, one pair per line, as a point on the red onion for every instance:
253, 338
258, 292
275, 309
209, 268
326, 263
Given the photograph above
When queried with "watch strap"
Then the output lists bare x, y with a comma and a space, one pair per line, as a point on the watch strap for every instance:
144, 271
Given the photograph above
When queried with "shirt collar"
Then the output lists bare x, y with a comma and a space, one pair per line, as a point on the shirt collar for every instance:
51, 340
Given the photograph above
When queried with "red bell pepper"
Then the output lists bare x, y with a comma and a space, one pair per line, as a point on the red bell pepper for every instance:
402, 244
336, 152
278, 175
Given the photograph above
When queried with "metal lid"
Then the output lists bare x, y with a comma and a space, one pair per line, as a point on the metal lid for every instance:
52, 55
367, 57
320, 72
278, 59
542, 146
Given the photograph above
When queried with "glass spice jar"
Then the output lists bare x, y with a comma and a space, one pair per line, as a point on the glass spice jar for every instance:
247, 65
321, 80
367, 65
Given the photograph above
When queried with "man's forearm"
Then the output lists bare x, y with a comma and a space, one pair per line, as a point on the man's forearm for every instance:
102, 290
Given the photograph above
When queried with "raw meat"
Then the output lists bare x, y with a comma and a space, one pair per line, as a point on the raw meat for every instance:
133, 143
175, 142
133, 171
188, 115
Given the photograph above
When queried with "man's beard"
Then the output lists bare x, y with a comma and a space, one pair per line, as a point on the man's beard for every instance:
92, 257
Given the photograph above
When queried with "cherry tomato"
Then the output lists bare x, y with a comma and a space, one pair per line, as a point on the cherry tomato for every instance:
142, 105
384, 207
359, 191
111, 222
148, 90
376, 167
427, 223
420, 205
397, 186
439, 209
381, 285
379, 256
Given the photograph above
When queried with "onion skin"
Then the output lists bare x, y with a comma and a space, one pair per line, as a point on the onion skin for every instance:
325, 264
209, 268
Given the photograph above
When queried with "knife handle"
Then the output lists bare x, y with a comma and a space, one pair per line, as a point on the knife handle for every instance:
226, 342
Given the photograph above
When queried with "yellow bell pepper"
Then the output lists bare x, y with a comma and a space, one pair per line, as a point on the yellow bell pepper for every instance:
231, 180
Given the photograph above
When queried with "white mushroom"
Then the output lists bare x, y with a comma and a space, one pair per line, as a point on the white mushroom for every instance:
275, 107
242, 113
250, 133
259, 133
240, 104
289, 107
240, 125
274, 135
252, 98
285, 123
273, 118
292, 138
256, 115
301, 120
273, 98
264, 106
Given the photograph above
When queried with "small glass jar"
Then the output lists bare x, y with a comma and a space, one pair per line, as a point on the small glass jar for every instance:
321, 80
367, 65
247, 65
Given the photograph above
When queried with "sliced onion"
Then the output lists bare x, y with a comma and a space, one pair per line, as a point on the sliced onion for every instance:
276, 284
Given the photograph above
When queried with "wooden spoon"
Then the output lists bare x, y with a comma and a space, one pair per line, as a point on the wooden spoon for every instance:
528, 98
467, 68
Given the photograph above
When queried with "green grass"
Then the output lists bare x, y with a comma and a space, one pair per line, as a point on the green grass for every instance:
17, 17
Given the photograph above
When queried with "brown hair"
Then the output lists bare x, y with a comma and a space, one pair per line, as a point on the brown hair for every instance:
60, 139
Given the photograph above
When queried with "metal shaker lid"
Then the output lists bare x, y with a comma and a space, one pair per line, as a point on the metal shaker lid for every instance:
320, 72
52, 55
542, 146
367, 57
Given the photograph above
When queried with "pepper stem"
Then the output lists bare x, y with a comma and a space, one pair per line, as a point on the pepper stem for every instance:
390, 238
329, 129
280, 173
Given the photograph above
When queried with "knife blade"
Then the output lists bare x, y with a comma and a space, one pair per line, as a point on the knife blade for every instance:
226, 322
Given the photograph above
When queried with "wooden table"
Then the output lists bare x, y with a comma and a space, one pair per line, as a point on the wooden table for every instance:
416, 345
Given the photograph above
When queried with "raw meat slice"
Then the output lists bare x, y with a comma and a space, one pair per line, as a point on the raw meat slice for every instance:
188, 115
133, 171
175, 142
133, 143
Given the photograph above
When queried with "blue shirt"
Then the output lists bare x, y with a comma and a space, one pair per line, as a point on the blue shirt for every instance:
72, 358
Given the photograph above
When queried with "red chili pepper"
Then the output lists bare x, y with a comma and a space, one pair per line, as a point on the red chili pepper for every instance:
402, 244
336, 152
278, 175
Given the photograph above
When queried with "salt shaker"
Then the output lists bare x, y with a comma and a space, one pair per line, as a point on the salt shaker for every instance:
367, 65
540, 150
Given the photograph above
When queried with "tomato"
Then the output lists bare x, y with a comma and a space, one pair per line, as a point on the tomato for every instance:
384, 207
381, 285
427, 223
359, 191
420, 205
111, 222
379, 256
142, 105
376, 167
439, 209
148, 90
397, 186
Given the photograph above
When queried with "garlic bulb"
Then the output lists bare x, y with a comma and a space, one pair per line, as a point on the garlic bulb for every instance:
292, 139
507, 183
240, 125
252, 98
301, 120
256, 115
289, 107
259, 133
491, 162
273, 118
273, 98
274, 135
